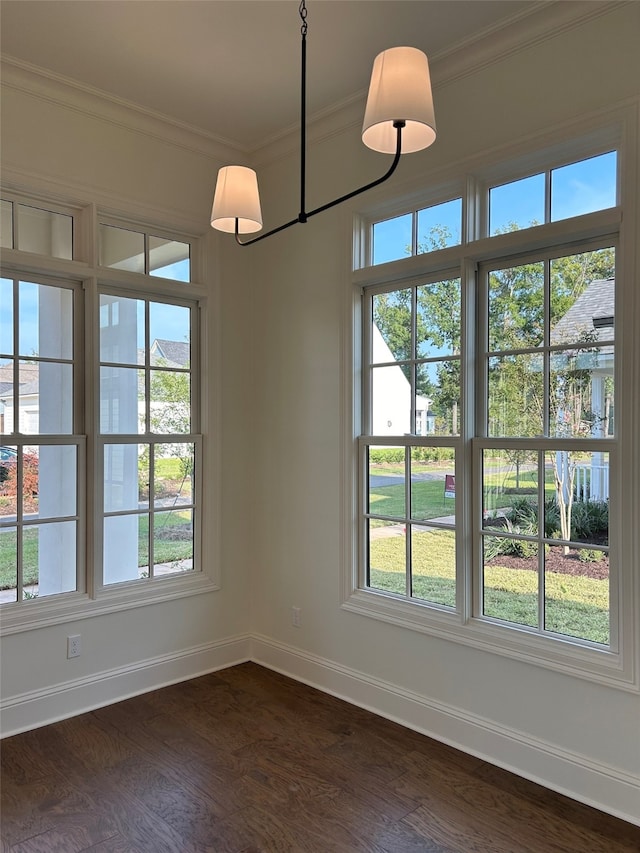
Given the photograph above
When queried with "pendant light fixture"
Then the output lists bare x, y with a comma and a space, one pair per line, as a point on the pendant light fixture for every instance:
399, 119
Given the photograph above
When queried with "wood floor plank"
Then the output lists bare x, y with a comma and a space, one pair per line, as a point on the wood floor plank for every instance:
249, 761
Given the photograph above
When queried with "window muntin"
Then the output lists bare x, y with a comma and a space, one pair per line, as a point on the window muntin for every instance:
40, 457
137, 251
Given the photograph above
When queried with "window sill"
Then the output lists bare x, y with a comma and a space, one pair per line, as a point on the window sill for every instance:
30, 616
586, 661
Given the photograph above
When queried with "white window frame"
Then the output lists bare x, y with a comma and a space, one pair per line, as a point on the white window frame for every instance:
91, 597
617, 665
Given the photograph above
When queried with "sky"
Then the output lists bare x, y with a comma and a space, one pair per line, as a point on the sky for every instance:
576, 189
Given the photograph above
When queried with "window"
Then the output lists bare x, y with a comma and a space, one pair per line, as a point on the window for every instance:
548, 384
117, 433
42, 452
33, 229
135, 251
433, 227
147, 436
489, 433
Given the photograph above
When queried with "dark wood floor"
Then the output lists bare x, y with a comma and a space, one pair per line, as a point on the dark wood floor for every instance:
247, 760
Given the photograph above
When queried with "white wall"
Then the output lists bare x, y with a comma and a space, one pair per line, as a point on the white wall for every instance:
574, 735
282, 305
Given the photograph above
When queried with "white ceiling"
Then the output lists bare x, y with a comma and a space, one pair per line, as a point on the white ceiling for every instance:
232, 67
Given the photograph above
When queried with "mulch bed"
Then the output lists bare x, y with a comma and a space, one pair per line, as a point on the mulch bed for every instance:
556, 561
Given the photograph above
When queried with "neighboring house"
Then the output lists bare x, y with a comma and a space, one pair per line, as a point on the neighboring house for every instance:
391, 403
163, 352
591, 319
172, 353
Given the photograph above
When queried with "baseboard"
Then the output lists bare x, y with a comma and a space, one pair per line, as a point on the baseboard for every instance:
577, 776
41, 707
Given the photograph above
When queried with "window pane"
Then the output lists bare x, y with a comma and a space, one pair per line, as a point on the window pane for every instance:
387, 481
170, 335
122, 329
10, 488
50, 481
49, 559
174, 470
440, 226
583, 297
6, 225
6, 317
169, 259
126, 548
581, 392
577, 507
390, 401
516, 307
433, 484
45, 398
8, 561
46, 321
120, 389
172, 542
121, 249
510, 580
438, 319
433, 565
510, 491
45, 232
516, 400
576, 590
519, 204
584, 187
392, 239
386, 567
126, 477
6, 397
438, 406
391, 332
170, 393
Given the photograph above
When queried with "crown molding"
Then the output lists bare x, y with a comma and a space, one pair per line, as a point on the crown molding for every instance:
549, 18
74, 95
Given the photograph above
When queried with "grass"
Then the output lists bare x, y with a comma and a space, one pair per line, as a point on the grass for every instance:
165, 550
575, 606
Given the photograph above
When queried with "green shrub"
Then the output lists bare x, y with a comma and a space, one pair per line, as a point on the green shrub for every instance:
590, 555
589, 519
380, 455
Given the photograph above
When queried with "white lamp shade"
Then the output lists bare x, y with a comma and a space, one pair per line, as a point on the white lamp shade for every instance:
236, 197
400, 89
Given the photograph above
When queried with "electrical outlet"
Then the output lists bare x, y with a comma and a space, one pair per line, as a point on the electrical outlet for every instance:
73, 646
296, 617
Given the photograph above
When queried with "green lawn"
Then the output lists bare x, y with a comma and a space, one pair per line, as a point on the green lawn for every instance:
166, 550
575, 606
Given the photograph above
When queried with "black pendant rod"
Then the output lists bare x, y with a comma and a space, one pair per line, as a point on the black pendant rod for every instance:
303, 216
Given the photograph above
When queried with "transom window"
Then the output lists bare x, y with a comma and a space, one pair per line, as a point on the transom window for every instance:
136, 251
34, 229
